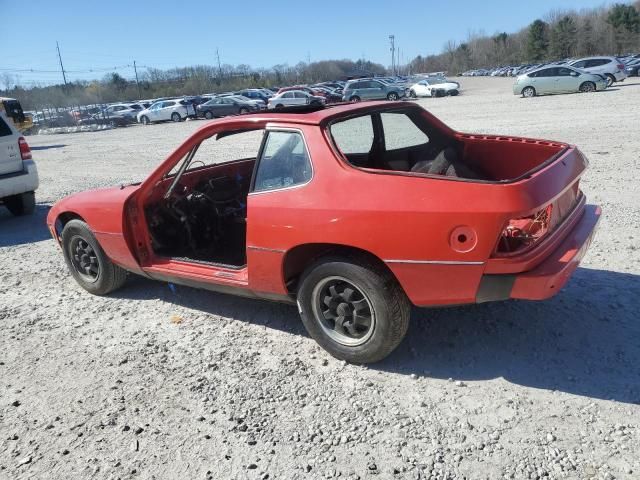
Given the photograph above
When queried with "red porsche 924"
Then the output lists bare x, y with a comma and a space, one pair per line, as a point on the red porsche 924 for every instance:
354, 212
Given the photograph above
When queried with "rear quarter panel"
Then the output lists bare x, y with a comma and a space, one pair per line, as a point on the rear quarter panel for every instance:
406, 220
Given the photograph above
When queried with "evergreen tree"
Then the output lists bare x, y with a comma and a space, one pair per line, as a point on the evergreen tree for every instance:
537, 43
563, 38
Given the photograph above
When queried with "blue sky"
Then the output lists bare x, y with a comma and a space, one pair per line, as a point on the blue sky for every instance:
164, 34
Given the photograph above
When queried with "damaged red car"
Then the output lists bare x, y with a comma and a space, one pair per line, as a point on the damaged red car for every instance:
355, 212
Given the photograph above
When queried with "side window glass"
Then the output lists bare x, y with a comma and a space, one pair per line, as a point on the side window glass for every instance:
284, 162
354, 135
401, 132
5, 130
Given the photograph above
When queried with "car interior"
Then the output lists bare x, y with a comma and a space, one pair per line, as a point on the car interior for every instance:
408, 140
197, 212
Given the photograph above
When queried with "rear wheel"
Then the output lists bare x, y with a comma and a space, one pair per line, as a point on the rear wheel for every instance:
453, 93
355, 98
208, 115
87, 262
412, 94
21, 204
587, 87
610, 80
145, 120
393, 96
529, 92
357, 312
113, 123
243, 110
279, 105
175, 117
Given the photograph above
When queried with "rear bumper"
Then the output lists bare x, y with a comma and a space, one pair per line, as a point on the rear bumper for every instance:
546, 279
23, 181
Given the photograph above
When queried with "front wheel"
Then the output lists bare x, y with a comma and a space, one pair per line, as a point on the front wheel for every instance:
175, 117
355, 98
145, 120
412, 94
208, 115
529, 92
357, 312
243, 110
87, 262
393, 96
587, 87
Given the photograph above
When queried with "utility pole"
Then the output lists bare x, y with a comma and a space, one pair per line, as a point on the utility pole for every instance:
135, 69
219, 66
64, 77
392, 38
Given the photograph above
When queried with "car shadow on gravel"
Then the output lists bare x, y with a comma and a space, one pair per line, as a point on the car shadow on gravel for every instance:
584, 341
26, 229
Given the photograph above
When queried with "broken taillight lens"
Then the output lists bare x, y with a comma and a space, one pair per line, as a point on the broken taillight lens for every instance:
25, 151
522, 233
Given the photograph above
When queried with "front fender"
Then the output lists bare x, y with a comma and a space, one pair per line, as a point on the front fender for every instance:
103, 211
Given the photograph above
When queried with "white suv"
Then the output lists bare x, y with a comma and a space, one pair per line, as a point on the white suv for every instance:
18, 173
610, 67
175, 110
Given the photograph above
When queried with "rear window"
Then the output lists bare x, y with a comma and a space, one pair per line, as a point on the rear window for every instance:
401, 132
354, 135
5, 130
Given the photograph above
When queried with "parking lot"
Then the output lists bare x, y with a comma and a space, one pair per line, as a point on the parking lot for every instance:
156, 382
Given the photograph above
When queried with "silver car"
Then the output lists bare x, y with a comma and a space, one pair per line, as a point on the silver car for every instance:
610, 67
557, 79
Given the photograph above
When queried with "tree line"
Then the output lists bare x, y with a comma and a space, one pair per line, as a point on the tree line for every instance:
560, 34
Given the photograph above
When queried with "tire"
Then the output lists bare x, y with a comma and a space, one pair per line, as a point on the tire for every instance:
175, 117
610, 79
412, 94
587, 87
279, 106
243, 111
92, 269
373, 290
393, 96
113, 124
355, 98
453, 93
145, 120
315, 103
21, 204
208, 115
528, 92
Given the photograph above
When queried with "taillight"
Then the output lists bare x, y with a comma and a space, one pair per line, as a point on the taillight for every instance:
25, 151
521, 233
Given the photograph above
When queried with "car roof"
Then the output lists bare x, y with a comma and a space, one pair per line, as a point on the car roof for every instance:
320, 115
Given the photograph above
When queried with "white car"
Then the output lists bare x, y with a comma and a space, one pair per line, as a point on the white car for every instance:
610, 67
426, 87
175, 110
18, 173
294, 97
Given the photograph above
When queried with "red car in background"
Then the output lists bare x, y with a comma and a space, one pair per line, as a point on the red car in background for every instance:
354, 212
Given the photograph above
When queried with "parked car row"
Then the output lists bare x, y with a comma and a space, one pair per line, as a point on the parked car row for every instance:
615, 68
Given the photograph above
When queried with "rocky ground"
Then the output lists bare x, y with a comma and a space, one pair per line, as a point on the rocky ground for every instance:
152, 382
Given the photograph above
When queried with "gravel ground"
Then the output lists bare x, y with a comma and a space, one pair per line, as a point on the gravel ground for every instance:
151, 383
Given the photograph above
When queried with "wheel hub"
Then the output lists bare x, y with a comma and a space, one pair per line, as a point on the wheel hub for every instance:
343, 311
84, 259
